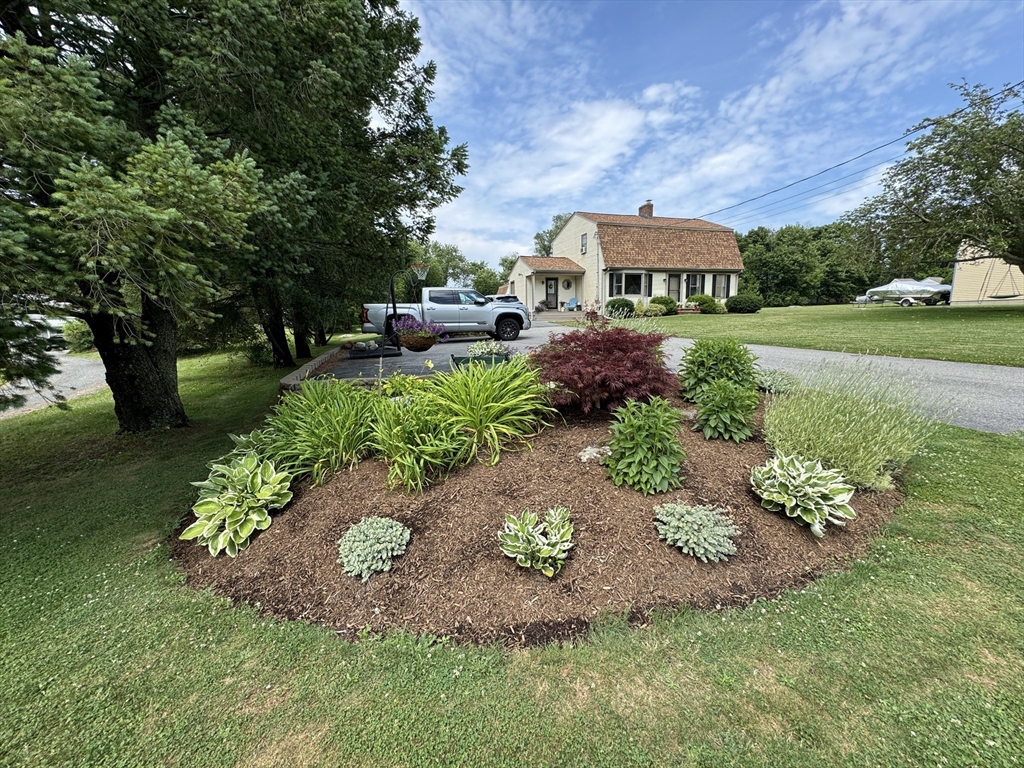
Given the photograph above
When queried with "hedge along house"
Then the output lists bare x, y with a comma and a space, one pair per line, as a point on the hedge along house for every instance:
641, 256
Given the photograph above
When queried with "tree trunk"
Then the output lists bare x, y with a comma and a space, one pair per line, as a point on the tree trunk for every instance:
320, 336
143, 377
302, 350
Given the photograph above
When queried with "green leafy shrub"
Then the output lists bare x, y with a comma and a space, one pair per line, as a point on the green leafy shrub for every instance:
543, 545
667, 302
709, 305
704, 532
743, 303
401, 385
726, 410
775, 382
619, 308
371, 545
491, 406
234, 502
646, 453
804, 491
863, 421
320, 429
78, 336
651, 310
711, 359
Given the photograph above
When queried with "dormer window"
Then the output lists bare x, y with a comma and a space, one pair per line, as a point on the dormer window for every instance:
583, 243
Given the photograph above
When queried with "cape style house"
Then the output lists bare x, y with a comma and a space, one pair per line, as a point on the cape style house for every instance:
599, 256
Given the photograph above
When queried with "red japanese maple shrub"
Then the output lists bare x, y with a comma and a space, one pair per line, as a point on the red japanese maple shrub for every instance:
603, 366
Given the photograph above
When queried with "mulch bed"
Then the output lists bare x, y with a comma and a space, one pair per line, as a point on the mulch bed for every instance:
454, 581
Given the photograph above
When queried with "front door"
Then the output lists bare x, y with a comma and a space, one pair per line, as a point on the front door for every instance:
551, 292
673, 287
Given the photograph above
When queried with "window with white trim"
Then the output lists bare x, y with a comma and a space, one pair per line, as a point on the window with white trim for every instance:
720, 286
583, 243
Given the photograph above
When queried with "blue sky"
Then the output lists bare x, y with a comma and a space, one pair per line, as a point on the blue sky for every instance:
598, 106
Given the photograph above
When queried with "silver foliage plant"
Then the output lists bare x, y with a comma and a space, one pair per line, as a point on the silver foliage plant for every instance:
541, 544
702, 531
804, 491
371, 545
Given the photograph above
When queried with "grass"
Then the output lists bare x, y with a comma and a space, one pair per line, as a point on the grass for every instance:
973, 334
913, 657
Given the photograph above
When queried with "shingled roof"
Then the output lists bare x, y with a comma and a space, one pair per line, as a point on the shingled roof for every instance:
650, 246
650, 221
552, 264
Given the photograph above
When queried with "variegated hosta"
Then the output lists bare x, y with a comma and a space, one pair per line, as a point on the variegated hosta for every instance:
543, 545
234, 502
805, 491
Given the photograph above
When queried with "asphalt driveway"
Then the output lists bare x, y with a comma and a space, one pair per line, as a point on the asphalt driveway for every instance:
988, 398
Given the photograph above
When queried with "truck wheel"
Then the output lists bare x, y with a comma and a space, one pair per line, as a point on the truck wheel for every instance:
507, 329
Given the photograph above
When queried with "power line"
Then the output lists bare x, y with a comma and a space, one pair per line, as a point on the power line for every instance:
807, 191
928, 124
817, 199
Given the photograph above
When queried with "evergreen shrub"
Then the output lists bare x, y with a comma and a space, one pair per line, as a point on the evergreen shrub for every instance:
665, 301
743, 304
709, 305
619, 308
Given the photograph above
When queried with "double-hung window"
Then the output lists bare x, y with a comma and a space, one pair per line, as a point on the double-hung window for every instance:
628, 284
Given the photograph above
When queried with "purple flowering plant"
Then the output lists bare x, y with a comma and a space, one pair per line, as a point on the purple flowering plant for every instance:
410, 326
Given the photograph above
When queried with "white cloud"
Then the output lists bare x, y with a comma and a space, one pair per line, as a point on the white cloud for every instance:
547, 137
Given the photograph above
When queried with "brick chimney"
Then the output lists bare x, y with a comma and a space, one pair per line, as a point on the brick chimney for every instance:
647, 210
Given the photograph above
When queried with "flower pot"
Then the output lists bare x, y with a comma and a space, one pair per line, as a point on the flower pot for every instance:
417, 343
488, 360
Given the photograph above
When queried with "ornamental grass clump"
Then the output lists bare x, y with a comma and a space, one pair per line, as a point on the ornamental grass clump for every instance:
863, 421
371, 546
541, 544
702, 531
726, 410
234, 502
645, 450
491, 407
776, 382
804, 491
711, 359
318, 430
603, 365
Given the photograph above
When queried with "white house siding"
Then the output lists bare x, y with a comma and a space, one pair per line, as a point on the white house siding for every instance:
976, 282
567, 244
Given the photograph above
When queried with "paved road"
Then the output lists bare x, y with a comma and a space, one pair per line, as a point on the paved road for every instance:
77, 376
989, 398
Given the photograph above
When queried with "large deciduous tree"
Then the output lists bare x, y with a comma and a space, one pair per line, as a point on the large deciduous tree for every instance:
963, 183
180, 157
542, 240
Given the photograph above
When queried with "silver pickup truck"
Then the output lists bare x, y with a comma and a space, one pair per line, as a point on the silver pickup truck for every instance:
460, 310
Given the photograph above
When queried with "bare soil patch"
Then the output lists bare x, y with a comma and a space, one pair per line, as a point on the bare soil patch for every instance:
454, 581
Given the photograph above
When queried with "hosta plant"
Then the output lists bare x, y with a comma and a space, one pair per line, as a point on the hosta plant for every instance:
234, 501
701, 531
804, 491
541, 544
645, 450
726, 410
371, 545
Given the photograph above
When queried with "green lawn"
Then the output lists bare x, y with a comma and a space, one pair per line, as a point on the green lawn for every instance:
913, 657
975, 334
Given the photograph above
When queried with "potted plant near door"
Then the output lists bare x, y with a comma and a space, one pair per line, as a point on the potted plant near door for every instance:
417, 335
